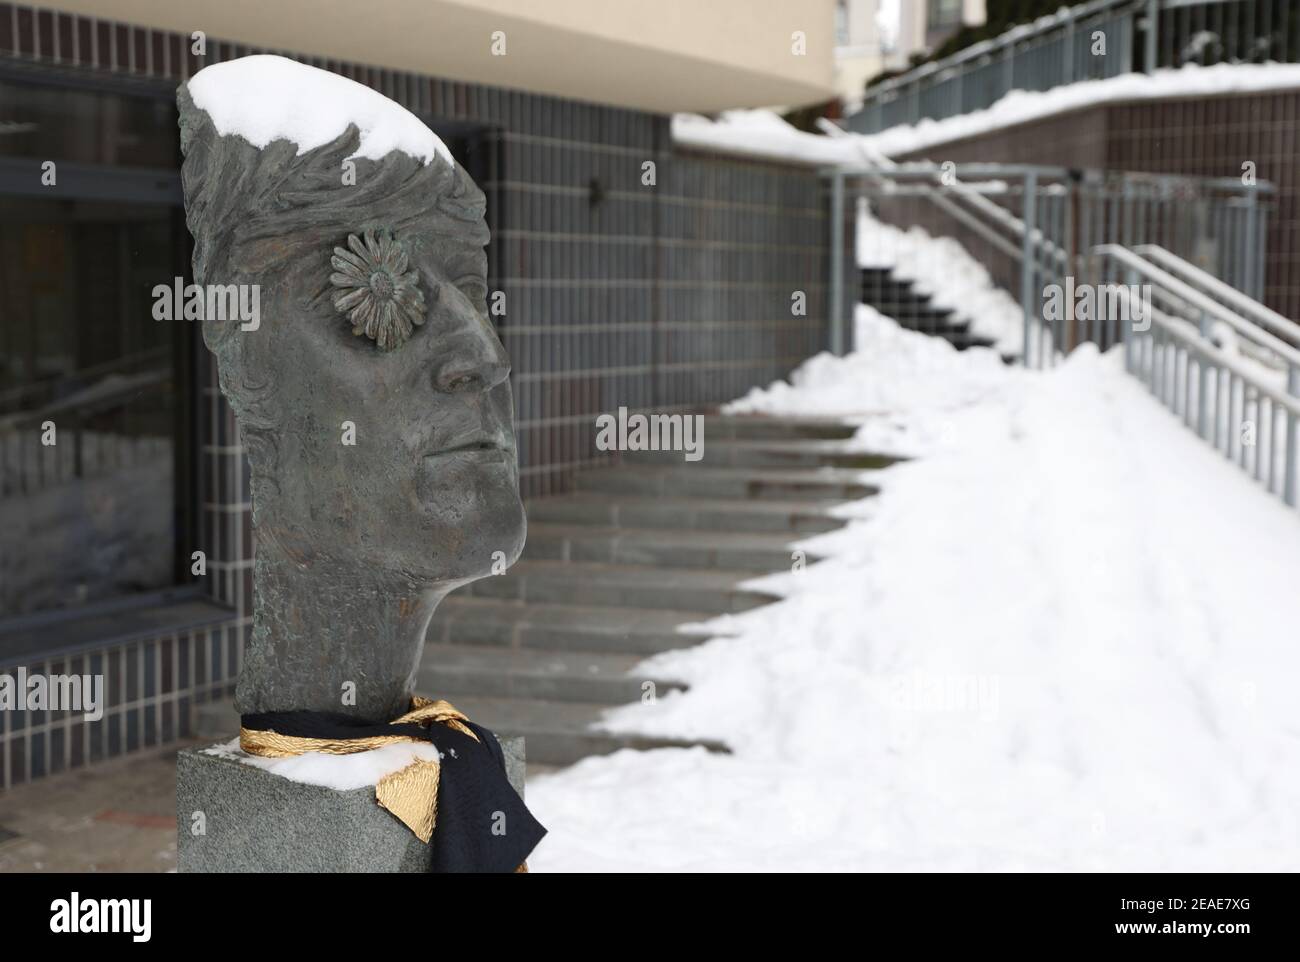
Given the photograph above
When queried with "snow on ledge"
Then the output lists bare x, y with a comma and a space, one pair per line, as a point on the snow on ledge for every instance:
340, 772
265, 98
763, 134
1021, 106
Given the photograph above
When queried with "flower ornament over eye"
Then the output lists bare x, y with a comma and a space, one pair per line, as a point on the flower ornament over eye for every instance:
376, 292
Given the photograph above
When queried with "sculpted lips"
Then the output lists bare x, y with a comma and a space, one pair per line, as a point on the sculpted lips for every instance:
479, 445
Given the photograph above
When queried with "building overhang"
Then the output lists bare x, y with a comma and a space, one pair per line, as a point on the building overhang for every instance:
672, 55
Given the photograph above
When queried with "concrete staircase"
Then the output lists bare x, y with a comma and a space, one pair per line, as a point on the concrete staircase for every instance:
894, 297
613, 570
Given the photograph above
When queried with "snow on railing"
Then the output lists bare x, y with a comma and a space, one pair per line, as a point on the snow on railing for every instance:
1043, 225
1079, 229
1090, 41
1244, 409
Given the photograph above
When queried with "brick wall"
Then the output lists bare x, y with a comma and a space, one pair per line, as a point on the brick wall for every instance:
666, 296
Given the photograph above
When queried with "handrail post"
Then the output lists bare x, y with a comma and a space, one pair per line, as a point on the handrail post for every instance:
1202, 396
1203, 391
1251, 267
1289, 492
1067, 58
837, 264
1153, 28
1133, 282
1027, 272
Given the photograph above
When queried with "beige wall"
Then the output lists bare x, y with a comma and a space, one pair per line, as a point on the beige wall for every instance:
661, 55
913, 22
861, 54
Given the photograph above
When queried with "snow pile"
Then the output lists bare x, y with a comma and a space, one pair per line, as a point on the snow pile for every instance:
341, 772
265, 98
1060, 639
941, 267
900, 386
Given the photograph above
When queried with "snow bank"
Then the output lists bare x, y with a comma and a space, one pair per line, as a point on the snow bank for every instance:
341, 772
265, 98
1060, 639
902, 386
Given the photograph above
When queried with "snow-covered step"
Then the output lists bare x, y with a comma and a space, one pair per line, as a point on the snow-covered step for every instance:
914, 309
796, 518
770, 453
559, 732
694, 481
582, 676
631, 586
467, 620
658, 546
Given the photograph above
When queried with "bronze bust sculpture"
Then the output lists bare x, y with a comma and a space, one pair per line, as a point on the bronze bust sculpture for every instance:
372, 399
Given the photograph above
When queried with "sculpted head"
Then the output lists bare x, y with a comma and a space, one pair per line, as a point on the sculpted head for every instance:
372, 398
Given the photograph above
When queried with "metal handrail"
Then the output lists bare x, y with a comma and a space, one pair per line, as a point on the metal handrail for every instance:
1037, 241
1047, 253
1213, 287
1215, 410
1056, 50
1178, 330
1021, 32
1248, 329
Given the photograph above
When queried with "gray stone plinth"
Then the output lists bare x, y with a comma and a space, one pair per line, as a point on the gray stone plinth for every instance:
256, 821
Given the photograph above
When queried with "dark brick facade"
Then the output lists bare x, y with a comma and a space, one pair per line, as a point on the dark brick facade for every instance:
669, 295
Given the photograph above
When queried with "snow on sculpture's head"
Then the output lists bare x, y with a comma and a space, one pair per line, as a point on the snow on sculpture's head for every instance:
373, 398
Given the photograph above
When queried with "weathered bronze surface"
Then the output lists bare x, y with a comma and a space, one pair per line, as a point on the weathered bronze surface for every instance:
373, 315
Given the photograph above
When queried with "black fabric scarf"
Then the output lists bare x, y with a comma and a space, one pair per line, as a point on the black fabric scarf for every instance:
474, 795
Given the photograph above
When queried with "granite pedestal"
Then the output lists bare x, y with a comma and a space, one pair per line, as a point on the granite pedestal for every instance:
257, 821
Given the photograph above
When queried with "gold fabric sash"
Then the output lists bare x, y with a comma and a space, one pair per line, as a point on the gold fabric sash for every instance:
411, 793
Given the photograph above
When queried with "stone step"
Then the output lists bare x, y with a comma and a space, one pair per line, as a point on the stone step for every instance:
658, 546
581, 676
559, 732
625, 586
801, 453
795, 518
962, 340
766, 427
909, 306
693, 481
466, 620
902, 294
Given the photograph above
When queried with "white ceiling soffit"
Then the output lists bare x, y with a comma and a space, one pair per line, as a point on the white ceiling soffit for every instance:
658, 55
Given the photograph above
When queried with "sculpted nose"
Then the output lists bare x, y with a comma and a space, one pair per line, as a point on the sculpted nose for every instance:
475, 363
